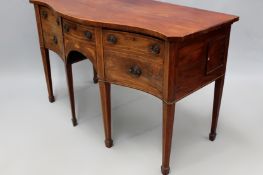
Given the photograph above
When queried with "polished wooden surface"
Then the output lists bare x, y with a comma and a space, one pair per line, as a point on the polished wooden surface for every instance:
148, 79
166, 50
173, 21
51, 37
52, 31
106, 110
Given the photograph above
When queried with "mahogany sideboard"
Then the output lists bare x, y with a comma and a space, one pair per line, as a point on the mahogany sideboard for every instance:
166, 50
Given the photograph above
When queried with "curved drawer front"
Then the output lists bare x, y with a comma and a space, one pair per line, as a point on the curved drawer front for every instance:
134, 60
79, 38
52, 30
79, 31
137, 73
151, 48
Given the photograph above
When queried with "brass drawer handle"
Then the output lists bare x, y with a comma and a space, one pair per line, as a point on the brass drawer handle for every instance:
112, 39
66, 28
156, 49
55, 40
88, 35
44, 14
135, 71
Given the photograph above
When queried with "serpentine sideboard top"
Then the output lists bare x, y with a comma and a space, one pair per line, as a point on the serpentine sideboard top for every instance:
146, 16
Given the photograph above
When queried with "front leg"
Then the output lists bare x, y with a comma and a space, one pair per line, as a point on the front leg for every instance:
219, 85
106, 109
68, 69
47, 69
168, 121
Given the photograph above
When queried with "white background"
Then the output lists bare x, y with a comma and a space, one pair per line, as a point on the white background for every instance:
37, 137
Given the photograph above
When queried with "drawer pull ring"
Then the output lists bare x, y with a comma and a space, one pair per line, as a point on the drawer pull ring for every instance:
55, 39
44, 14
136, 71
112, 39
156, 49
66, 28
88, 35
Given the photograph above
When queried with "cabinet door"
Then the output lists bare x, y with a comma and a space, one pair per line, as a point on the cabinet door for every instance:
216, 54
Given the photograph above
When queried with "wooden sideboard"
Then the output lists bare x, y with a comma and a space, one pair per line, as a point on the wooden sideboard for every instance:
166, 50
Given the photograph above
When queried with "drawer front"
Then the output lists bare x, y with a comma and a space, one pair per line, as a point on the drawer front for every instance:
52, 31
79, 38
81, 32
135, 73
149, 48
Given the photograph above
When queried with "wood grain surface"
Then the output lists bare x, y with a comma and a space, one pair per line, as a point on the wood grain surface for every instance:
166, 50
147, 16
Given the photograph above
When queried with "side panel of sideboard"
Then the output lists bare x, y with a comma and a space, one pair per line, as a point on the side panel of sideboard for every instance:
201, 61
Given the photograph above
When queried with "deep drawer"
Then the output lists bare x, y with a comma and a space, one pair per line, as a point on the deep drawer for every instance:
139, 74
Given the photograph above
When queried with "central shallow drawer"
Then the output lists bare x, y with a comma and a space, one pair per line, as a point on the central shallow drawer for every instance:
79, 38
81, 32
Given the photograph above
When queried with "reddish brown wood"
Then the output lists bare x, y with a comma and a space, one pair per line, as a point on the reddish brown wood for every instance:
75, 39
106, 109
95, 76
135, 45
78, 31
39, 25
52, 31
46, 64
168, 122
100, 55
118, 70
104, 89
50, 37
219, 85
86, 49
216, 52
169, 76
201, 61
166, 50
68, 69
146, 16
45, 56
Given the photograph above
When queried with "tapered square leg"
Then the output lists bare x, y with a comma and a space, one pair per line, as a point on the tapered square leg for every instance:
95, 76
47, 69
168, 122
106, 109
219, 85
68, 69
